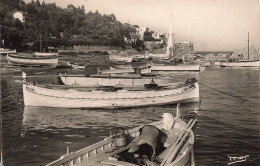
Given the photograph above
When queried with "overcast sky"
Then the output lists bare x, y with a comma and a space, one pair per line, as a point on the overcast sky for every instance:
209, 24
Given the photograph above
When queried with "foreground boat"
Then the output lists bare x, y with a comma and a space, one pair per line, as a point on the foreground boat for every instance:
46, 54
19, 60
241, 63
167, 143
109, 96
112, 79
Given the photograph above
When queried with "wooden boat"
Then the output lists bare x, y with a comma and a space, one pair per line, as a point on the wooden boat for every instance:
109, 96
126, 70
112, 79
116, 58
50, 61
137, 146
7, 51
242, 63
175, 67
169, 56
46, 54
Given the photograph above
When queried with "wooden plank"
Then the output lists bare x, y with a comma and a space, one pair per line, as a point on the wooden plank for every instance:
117, 163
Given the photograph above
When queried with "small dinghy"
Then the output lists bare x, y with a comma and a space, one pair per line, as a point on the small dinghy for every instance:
19, 60
166, 143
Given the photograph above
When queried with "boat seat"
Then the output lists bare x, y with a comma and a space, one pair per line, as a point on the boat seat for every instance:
117, 163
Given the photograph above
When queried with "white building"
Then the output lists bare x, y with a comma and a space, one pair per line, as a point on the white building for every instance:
156, 35
19, 16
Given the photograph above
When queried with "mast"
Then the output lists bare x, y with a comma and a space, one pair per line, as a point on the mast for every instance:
172, 53
1, 139
170, 45
40, 42
248, 46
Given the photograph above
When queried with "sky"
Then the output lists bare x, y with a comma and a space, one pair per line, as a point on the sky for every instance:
209, 24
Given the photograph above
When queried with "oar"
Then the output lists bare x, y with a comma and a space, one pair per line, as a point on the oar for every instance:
175, 149
172, 147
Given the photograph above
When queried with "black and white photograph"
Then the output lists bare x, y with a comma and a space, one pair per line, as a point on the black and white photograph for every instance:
130, 82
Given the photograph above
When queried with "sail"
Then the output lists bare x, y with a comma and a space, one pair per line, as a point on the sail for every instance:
169, 50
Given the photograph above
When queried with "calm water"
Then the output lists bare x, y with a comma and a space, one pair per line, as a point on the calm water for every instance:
226, 126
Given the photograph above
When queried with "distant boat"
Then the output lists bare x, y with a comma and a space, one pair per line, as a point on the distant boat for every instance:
7, 51
117, 58
179, 67
242, 63
46, 53
18, 60
168, 142
165, 61
112, 79
169, 48
143, 70
109, 96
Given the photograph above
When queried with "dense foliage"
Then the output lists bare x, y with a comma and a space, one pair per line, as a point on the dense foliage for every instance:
56, 26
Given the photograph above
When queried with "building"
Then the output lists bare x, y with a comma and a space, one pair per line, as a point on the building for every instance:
183, 48
156, 35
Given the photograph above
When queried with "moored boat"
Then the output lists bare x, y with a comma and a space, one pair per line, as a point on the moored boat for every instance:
117, 58
19, 60
46, 53
167, 142
241, 63
175, 67
166, 61
7, 51
119, 96
112, 79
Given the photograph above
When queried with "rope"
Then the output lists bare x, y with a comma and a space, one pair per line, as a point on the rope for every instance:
223, 92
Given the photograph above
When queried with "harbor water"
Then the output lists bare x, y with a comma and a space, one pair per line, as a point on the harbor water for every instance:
227, 126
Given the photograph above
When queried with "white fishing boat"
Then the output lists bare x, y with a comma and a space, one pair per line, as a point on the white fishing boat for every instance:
117, 58
109, 96
169, 48
169, 56
168, 142
143, 70
19, 60
112, 79
7, 51
242, 63
46, 54
175, 67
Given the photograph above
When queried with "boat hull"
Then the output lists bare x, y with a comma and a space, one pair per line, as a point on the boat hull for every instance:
126, 70
195, 67
50, 62
46, 54
7, 51
38, 96
92, 155
110, 81
255, 63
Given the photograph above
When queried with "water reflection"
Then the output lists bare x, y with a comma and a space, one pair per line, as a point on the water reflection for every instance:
45, 118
